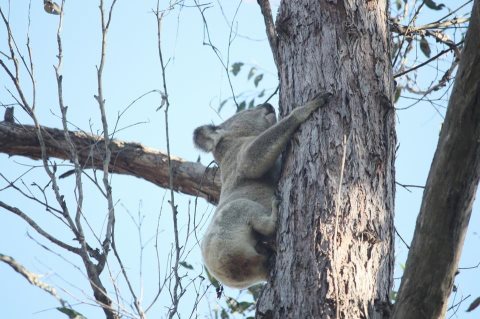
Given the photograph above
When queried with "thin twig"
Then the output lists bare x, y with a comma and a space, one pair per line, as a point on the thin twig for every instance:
40, 230
401, 238
206, 32
106, 161
176, 292
426, 62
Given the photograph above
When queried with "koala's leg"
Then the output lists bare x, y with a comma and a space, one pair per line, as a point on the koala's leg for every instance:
257, 157
266, 222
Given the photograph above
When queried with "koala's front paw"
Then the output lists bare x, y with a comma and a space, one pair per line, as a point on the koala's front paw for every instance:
319, 100
303, 113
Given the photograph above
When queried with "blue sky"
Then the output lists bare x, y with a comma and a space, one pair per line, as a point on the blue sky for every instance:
197, 83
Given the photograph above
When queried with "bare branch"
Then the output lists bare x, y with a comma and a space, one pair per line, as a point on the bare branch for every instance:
106, 161
176, 292
40, 230
32, 278
428, 61
130, 158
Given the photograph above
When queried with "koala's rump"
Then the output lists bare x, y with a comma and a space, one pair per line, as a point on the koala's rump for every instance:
228, 249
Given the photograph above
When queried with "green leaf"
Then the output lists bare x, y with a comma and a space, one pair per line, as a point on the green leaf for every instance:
243, 306
236, 68
399, 4
186, 265
241, 106
72, 314
251, 104
255, 290
231, 303
425, 47
212, 279
262, 93
224, 314
251, 73
398, 91
393, 295
239, 307
432, 5
257, 79
474, 304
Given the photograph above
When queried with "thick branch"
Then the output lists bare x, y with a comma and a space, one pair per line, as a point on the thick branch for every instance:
127, 158
449, 194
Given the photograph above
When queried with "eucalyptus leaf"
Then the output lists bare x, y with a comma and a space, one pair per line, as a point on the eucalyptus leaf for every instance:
236, 67
257, 79
432, 5
425, 47
186, 265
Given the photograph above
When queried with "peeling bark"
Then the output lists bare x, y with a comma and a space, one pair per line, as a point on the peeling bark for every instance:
127, 158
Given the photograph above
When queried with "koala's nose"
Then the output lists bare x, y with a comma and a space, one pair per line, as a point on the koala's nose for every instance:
269, 108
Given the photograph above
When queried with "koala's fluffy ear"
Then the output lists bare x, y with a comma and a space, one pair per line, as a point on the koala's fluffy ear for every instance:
206, 137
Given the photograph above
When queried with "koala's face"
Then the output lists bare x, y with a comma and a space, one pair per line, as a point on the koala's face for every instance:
246, 123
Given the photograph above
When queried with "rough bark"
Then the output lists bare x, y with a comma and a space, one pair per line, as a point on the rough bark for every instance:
449, 193
341, 47
127, 158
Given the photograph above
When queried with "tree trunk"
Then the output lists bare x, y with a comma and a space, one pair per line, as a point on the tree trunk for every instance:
342, 48
449, 193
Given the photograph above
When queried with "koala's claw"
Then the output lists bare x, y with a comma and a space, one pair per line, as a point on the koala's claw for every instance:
322, 98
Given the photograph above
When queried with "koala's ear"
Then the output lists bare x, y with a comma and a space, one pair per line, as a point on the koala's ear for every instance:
206, 137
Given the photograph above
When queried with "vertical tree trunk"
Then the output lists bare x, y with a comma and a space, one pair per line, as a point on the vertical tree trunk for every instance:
341, 47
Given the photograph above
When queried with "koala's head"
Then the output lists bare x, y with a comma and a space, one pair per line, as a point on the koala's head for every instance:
246, 123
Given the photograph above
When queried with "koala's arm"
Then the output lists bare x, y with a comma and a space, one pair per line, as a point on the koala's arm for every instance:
260, 154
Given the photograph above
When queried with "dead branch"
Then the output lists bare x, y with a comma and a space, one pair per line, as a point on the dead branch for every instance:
128, 158
35, 226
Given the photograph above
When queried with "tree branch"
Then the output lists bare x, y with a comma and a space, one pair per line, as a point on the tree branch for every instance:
127, 158
35, 226
270, 28
449, 193
32, 278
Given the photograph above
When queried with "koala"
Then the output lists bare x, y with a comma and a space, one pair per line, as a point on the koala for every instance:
247, 147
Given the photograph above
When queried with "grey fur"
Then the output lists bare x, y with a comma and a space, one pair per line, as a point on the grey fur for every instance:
246, 147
